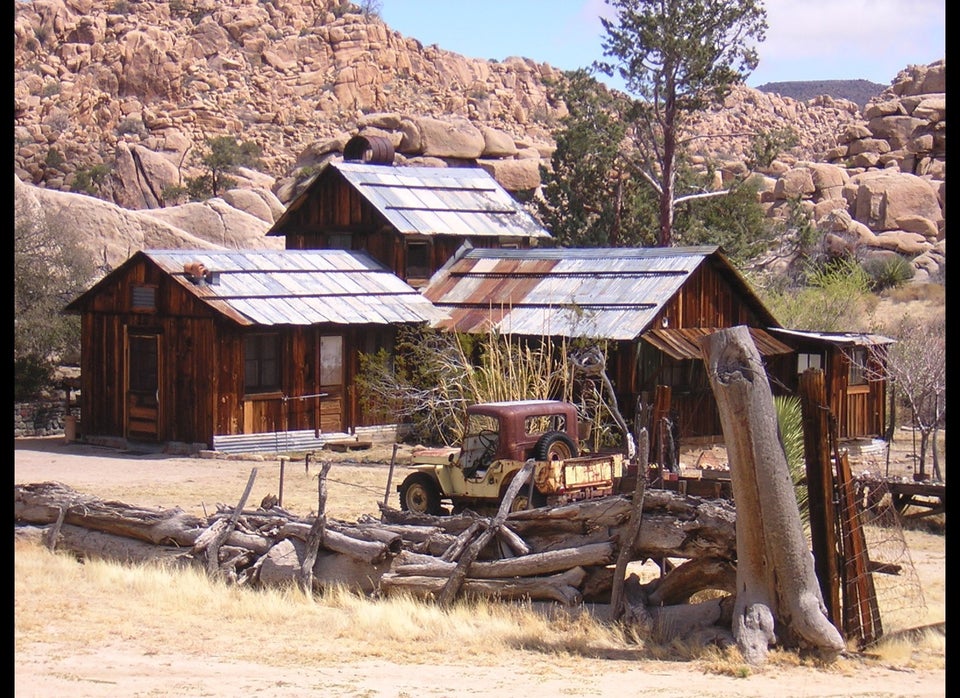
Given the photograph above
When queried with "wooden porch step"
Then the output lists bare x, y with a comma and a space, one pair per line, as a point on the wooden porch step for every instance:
344, 445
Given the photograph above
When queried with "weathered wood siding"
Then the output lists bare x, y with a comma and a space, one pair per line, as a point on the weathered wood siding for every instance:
200, 381
337, 208
707, 300
186, 332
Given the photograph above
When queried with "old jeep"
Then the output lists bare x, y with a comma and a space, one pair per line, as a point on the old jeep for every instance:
499, 438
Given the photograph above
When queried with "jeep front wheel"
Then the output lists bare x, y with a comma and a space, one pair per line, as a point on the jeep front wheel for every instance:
420, 493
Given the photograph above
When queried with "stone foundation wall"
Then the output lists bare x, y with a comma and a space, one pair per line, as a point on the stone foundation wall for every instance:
42, 417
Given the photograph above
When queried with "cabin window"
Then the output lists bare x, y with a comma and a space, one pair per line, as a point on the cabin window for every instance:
418, 260
339, 241
858, 367
261, 365
805, 361
143, 364
144, 298
331, 360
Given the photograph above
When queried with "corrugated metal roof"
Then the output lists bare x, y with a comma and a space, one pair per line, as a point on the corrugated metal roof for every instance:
613, 293
685, 343
856, 339
299, 287
463, 201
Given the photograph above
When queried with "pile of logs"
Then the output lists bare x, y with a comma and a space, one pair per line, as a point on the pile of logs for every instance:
568, 554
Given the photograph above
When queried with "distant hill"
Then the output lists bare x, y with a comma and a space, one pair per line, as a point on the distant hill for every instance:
857, 91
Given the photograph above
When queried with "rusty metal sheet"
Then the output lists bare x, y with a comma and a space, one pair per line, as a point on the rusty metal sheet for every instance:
684, 343
603, 293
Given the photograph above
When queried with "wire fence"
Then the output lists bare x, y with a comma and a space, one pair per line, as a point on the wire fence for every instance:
878, 577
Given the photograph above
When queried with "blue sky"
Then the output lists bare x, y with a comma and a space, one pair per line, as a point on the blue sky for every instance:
806, 39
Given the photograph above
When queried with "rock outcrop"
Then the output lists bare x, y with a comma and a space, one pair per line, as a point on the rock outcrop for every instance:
114, 233
117, 98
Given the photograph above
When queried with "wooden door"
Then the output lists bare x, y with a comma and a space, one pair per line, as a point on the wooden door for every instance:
143, 385
331, 378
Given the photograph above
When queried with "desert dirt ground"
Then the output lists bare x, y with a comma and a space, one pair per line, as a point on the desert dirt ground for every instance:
126, 667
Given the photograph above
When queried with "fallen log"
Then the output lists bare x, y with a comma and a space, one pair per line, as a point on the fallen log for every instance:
561, 587
531, 565
335, 541
84, 542
683, 581
41, 504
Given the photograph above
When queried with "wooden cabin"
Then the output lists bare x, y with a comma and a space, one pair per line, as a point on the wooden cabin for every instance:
854, 369
410, 219
652, 306
199, 346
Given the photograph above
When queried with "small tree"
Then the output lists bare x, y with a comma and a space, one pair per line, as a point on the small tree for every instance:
51, 267
766, 146
917, 365
677, 56
589, 199
736, 222
222, 156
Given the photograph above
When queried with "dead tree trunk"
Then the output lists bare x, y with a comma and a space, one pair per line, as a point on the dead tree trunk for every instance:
777, 587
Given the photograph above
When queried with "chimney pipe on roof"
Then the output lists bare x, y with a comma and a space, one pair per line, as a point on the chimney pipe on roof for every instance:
375, 150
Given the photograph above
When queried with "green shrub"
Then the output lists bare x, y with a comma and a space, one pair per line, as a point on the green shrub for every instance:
31, 376
132, 125
54, 158
90, 179
766, 146
888, 272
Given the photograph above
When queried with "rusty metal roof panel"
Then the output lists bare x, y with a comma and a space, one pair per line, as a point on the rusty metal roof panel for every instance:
685, 343
610, 293
299, 287
441, 200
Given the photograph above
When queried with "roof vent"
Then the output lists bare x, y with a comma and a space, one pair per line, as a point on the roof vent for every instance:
376, 150
197, 272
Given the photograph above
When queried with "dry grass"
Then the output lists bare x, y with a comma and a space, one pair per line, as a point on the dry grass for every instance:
65, 608
157, 608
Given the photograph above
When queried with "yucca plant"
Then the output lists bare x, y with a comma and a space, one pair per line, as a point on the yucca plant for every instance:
790, 422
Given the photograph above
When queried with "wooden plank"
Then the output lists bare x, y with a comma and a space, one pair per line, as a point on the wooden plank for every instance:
861, 612
142, 413
820, 489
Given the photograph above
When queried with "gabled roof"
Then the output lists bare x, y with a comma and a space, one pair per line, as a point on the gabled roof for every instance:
612, 293
289, 287
462, 201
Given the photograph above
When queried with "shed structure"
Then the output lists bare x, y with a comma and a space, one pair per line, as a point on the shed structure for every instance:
410, 219
652, 305
195, 346
854, 366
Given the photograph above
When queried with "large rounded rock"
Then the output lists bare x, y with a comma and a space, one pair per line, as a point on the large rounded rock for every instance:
450, 138
884, 198
514, 175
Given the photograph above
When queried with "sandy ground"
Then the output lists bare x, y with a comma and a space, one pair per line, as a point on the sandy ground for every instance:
125, 670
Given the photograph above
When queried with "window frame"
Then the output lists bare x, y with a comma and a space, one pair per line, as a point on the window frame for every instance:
260, 344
